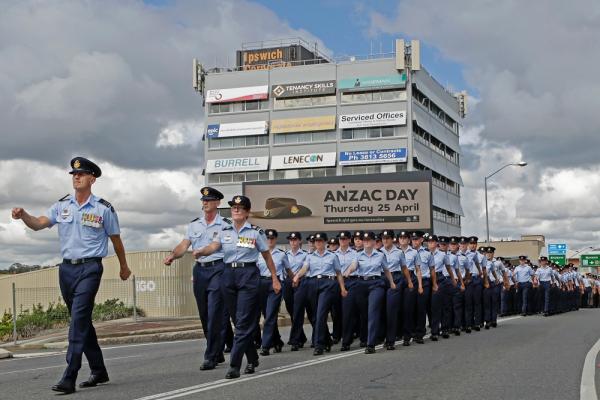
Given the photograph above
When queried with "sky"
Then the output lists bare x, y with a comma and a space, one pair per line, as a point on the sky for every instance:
111, 80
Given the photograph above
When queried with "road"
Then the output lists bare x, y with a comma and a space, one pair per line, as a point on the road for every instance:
526, 358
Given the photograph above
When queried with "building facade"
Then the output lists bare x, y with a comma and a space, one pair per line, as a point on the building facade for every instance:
307, 119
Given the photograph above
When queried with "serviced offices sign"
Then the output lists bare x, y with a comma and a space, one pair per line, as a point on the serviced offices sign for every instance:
364, 120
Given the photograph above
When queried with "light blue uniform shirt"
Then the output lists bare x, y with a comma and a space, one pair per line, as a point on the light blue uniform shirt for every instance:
279, 259
371, 265
464, 263
556, 276
346, 259
452, 259
201, 234
476, 259
296, 261
523, 273
84, 229
411, 258
496, 266
326, 264
509, 273
394, 259
243, 246
426, 261
440, 260
544, 274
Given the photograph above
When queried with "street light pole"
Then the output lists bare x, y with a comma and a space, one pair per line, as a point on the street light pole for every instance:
487, 223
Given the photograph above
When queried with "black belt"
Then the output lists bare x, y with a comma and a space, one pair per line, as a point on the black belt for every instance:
238, 264
76, 261
351, 278
369, 278
397, 273
332, 277
266, 277
210, 263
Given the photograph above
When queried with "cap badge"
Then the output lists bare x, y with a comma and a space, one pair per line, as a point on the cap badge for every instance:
237, 200
76, 164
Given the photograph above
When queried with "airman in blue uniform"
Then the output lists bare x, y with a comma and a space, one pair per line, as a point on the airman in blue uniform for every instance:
206, 275
270, 301
296, 257
474, 290
242, 244
415, 317
457, 261
347, 257
522, 276
85, 223
441, 296
544, 275
321, 268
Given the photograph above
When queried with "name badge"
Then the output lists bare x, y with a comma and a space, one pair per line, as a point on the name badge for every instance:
246, 242
65, 213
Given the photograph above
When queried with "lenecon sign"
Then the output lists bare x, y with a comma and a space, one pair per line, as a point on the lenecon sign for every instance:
237, 164
386, 118
309, 160
386, 201
303, 89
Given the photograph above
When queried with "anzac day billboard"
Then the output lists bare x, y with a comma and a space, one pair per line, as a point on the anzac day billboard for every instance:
399, 201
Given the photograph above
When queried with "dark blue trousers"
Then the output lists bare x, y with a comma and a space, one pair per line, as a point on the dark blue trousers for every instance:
458, 307
209, 299
301, 304
544, 289
240, 292
394, 301
524, 289
371, 294
415, 309
473, 300
350, 313
441, 306
289, 293
269, 307
78, 286
321, 293
490, 303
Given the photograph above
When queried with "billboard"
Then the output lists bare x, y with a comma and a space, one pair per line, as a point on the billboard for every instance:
237, 164
381, 156
365, 120
237, 94
399, 201
308, 124
317, 88
237, 129
272, 57
372, 82
307, 160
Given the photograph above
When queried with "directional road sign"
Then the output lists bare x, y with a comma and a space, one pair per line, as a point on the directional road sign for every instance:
557, 248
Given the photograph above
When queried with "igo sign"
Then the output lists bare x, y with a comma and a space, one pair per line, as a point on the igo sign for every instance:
557, 248
145, 286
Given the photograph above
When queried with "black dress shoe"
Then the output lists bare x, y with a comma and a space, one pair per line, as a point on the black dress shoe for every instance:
227, 350
208, 365
345, 347
468, 330
294, 347
318, 352
64, 388
434, 338
278, 347
419, 340
445, 335
494, 324
406, 342
457, 332
264, 352
251, 367
220, 359
390, 346
370, 350
477, 328
487, 326
232, 373
94, 380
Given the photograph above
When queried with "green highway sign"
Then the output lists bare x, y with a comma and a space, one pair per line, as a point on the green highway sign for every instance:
559, 259
590, 260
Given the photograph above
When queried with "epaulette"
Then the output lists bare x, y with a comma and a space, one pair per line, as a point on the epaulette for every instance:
257, 228
226, 228
228, 220
107, 204
195, 219
64, 198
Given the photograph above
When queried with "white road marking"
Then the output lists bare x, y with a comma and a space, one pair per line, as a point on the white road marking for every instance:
59, 366
186, 391
587, 389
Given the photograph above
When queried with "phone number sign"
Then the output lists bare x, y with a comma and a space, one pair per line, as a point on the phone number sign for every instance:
381, 156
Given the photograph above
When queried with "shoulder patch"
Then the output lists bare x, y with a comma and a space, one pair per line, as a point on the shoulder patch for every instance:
64, 198
107, 204
257, 228
227, 228
195, 219
228, 220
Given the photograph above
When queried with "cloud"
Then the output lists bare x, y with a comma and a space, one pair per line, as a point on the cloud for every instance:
533, 67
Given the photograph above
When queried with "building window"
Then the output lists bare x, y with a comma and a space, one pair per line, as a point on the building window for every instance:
369, 133
304, 137
311, 101
235, 142
423, 137
235, 177
372, 96
439, 180
240, 106
303, 173
446, 216
370, 169
435, 110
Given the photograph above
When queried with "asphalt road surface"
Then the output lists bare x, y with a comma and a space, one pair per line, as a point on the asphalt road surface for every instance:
524, 358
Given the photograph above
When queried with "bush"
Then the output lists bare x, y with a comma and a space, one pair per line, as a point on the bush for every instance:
56, 315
